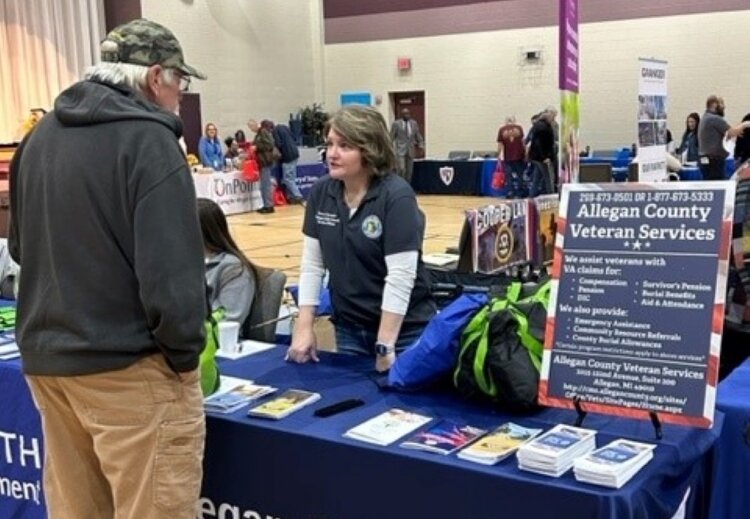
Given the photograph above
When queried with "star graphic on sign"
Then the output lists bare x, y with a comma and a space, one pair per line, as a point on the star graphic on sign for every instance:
626, 244
648, 244
636, 245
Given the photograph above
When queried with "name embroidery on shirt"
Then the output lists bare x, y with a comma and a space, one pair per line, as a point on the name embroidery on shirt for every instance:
326, 219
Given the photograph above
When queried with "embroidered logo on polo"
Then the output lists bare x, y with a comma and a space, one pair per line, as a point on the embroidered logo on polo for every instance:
446, 175
326, 219
372, 227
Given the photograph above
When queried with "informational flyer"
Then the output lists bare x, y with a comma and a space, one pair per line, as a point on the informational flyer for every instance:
636, 310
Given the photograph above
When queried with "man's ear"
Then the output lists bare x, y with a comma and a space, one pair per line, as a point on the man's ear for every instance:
154, 79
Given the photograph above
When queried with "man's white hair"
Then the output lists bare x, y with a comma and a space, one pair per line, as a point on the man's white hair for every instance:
127, 74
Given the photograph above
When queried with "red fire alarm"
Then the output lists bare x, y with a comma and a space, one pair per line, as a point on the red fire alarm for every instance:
404, 64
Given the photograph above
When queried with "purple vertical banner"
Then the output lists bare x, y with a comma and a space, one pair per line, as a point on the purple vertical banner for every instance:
569, 45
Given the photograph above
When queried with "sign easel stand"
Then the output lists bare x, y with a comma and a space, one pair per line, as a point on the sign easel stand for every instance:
581, 416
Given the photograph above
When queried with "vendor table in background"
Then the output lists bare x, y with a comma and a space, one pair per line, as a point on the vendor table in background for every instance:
460, 177
307, 175
229, 190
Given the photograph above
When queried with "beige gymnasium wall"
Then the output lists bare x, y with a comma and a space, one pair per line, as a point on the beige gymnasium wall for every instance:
472, 80
263, 59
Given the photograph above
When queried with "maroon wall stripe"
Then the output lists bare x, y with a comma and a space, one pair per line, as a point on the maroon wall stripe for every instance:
504, 14
339, 8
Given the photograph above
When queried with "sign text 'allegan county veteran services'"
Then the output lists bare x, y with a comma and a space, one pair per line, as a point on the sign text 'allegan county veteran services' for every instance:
636, 312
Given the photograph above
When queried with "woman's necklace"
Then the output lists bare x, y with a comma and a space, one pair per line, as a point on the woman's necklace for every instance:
353, 201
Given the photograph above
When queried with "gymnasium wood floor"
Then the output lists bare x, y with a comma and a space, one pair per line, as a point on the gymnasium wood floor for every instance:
275, 240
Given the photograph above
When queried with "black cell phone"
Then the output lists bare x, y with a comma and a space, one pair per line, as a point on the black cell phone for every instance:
338, 407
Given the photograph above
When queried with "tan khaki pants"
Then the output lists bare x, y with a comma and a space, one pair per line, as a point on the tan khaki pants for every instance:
125, 444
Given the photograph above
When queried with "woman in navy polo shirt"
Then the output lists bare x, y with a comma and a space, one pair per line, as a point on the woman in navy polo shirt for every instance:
363, 225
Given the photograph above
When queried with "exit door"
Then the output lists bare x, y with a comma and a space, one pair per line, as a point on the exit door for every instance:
415, 102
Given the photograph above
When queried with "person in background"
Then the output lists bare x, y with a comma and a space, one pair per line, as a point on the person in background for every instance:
112, 305
738, 281
264, 151
229, 274
551, 112
671, 147
688, 148
209, 149
242, 141
363, 225
742, 147
405, 134
233, 149
284, 140
541, 150
510, 147
712, 130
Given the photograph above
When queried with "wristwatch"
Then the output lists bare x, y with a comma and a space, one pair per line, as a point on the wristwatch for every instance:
382, 349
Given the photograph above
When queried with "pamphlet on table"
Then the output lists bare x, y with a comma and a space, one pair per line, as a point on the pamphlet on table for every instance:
498, 444
443, 437
288, 402
387, 427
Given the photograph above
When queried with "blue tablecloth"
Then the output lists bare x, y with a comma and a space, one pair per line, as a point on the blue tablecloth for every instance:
730, 497
307, 175
301, 467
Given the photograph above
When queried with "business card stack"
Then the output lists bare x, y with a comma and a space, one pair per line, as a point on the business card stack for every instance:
443, 437
553, 453
614, 464
387, 427
499, 444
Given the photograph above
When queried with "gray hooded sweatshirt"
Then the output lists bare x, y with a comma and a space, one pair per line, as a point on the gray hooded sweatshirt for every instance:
105, 228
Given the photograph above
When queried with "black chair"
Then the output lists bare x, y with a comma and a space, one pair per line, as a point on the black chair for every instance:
595, 173
459, 155
487, 154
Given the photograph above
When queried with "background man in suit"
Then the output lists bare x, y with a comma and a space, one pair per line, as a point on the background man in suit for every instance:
405, 135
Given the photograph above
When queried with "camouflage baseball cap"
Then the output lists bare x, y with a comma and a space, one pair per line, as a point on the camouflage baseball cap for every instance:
143, 42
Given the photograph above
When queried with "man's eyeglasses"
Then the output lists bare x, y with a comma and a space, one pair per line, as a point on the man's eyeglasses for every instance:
184, 83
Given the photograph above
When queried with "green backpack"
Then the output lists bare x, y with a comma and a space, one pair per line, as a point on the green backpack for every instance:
501, 349
210, 379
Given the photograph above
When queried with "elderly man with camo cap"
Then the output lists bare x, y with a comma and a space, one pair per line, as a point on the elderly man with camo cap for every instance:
112, 302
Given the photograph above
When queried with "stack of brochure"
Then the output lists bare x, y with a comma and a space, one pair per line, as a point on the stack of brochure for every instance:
286, 403
553, 453
387, 427
499, 444
614, 464
234, 393
444, 437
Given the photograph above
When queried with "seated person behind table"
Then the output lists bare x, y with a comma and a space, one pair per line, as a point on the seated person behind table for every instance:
242, 141
209, 149
229, 274
363, 225
233, 149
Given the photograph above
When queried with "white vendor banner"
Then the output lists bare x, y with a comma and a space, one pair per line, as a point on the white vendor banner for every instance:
652, 120
229, 190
